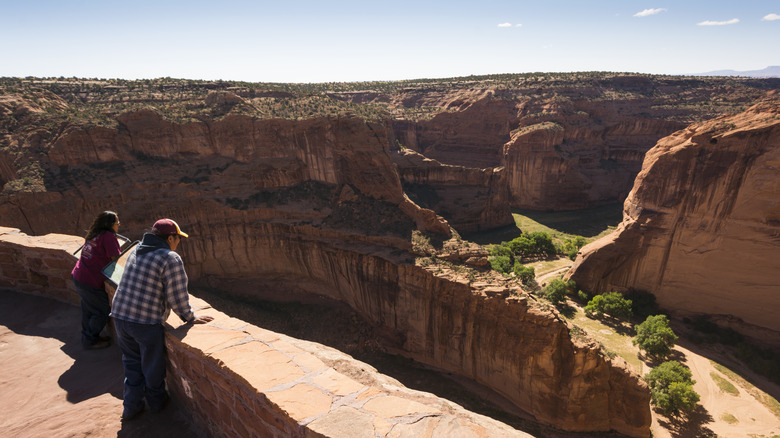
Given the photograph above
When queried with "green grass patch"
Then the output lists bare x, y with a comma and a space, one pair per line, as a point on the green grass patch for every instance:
724, 384
591, 223
728, 418
765, 399
546, 266
609, 338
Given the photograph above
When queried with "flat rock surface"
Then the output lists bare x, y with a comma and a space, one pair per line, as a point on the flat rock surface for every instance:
51, 386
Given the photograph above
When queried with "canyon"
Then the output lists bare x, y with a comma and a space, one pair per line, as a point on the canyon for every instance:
703, 218
363, 195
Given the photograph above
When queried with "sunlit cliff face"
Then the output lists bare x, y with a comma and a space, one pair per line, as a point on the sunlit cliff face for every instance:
700, 226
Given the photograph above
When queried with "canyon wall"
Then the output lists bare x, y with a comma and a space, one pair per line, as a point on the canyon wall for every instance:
239, 380
563, 145
578, 162
472, 199
316, 206
701, 227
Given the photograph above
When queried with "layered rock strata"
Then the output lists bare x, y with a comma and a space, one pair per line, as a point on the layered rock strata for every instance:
701, 227
471, 199
317, 206
564, 145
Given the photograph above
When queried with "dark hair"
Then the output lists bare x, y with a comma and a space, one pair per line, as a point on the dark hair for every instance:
103, 222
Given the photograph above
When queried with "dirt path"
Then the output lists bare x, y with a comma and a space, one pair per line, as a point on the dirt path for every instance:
720, 414
542, 279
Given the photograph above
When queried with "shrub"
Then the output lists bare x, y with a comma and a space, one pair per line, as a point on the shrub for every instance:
525, 273
556, 291
671, 388
584, 297
501, 250
642, 303
655, 336
612, 303
502, 264
520, 246
536, 244
571, 247
542, 244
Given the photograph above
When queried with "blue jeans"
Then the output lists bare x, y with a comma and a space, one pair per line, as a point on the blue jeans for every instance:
143, 357
94, 312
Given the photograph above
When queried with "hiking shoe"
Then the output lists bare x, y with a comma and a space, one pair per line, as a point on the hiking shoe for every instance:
128, 414
156, 409
97, 345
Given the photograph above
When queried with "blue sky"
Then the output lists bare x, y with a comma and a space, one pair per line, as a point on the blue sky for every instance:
333, 40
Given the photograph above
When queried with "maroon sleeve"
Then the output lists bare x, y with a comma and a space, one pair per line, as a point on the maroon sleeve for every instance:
110, 245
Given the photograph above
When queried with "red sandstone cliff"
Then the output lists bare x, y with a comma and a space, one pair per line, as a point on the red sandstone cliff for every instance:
603, 128
317, 206
701, 227
579, 163
471, 199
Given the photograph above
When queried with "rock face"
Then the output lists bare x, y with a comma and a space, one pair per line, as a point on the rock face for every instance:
564, 145
577, 162
471, 199
701, 227
317, 206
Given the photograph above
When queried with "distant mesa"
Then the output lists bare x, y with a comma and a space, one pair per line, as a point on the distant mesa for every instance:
769, 72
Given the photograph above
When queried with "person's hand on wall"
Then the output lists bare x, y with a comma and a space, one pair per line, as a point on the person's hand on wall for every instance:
203, 319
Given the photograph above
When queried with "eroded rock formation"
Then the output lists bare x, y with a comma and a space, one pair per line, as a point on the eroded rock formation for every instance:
701, 227
472, 199
564, 144
317, 206
578, 158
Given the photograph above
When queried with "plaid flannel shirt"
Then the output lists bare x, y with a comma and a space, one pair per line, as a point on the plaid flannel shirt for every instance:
153, 283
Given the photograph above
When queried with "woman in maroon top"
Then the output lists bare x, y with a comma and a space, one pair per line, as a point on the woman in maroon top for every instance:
100, 248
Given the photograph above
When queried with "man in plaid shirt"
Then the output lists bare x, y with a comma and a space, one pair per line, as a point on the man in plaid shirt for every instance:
153, 283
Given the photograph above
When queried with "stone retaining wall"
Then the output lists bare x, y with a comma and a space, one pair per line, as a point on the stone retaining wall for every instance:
239, 380
38, 265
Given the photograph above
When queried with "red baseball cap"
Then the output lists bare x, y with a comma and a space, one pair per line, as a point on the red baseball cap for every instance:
166, 227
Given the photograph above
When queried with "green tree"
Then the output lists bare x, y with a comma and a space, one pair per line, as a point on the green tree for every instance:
526, 274
613, 304
536, 244
671, 388
557, 289
655, 336
501, 250
502, 264
520, 246
572, 246
542, 244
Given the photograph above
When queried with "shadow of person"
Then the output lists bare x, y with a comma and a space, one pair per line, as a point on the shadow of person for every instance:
174, 420
93, 372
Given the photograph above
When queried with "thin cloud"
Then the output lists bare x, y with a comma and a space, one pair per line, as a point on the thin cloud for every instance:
648, 12
505, 25
718, 23
771, 17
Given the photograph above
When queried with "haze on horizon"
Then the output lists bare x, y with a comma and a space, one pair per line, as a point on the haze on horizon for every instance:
352, 41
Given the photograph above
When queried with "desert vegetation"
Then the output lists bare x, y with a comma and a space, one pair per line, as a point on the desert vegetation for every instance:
96, 101
671, 388
633, 327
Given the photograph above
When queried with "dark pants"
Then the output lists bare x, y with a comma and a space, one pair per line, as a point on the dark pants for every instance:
143, 357
94, 312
